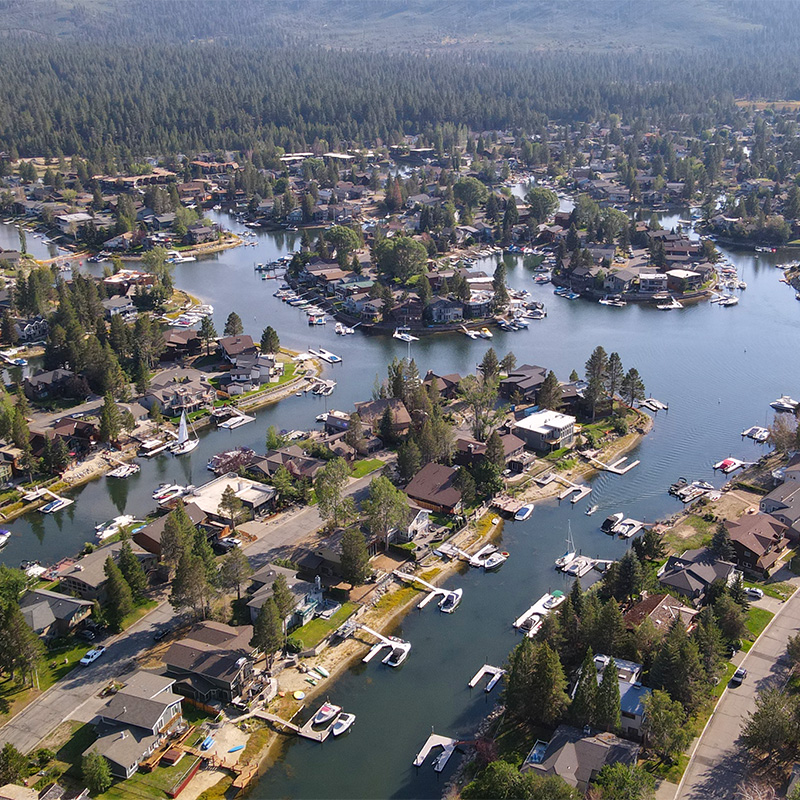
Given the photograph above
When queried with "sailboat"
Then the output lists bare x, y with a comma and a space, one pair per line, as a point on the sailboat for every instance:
184, 444
569, 555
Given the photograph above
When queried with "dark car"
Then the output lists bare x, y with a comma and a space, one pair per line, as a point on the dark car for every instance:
738, 676
159, 635
86, 635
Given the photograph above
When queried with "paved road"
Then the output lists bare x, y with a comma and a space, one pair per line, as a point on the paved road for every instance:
718, 764
76, 697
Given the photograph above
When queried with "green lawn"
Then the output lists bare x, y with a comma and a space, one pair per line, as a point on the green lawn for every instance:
312, 633
362, 468
138, 613
780, 591
757, 620
153, 784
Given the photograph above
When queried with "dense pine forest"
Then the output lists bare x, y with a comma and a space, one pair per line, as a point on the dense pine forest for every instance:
114, 81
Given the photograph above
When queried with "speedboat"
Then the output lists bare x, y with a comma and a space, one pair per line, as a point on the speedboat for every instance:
468, 332
343, 722
485, 333
404, 336
554, 600
326, 713
4, 537
108, 529
450, 601
591, 510
124, 471
495, 561
609, 523
55, 505
785, 404
398, 654
524, 512
164, 490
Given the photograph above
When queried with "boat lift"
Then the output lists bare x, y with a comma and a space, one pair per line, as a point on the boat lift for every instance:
383, 641
434, 591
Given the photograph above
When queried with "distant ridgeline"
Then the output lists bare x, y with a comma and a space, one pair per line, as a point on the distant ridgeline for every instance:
141, 77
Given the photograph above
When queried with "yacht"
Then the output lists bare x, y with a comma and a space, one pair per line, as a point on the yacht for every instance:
785, 403
398, 653
495, 561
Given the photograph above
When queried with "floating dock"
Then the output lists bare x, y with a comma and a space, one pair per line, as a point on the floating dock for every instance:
306, 731
448, 746
383, 641
651, 403
614, 468
580, 490
581, 565
757, 434
494, 673
628, 528
236, 420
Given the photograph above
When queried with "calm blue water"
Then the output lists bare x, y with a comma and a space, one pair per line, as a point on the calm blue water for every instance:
718, 368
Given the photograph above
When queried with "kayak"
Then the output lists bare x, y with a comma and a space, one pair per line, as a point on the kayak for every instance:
236, 749
322, 671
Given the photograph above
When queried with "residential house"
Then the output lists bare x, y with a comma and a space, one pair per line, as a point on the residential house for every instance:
652, 282
683, 280
371, 412
662, 610
620, 281
180, 344
149, 537
70, 224
524, 380
47, 384
578, 756
433, 487
51, 614
234, 347
136, 721
691, 573
445, 385
293, 458
198, 234
180, 389
212, 663
631, 692
262, 583
545, 431
758, 540
31, 329
122, 305
783, 502
86, 578
419, 525
442, 310
257, 499
469, 451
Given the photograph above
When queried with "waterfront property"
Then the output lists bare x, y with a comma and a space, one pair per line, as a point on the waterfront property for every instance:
433, 488
759, 541
545, 431
693, 572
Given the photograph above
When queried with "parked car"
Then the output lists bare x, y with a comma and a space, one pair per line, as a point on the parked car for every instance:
86, 635
754, 591
229, 542
92, 655
159, 635
738, 676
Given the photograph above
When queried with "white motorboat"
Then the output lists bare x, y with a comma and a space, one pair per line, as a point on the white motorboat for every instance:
343, 723
468, 332
485, 333
185, 444
524, 512
449, 603
114, 526
55, 505
172, 494
495, 561
554, 600
785, 404
4, 537
163, 490
326, 713
591, 510
398, 653
609, 523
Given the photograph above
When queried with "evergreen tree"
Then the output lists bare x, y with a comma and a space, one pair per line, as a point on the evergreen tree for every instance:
385, 509
270, 342
490, 366
329, 486
630, 577
110, 420
13, 765
96, 772
608, 702
230, 506
710, 644
521, 663
234, 570
355, 557
610, 628
548, 686
190, 586
549, 394
632, 386
285, 601
664, 725
583, 709
595, 371
495, 452
721, 543
119, 599
268, 633
614, 374
233, 325
208, 333
131, 569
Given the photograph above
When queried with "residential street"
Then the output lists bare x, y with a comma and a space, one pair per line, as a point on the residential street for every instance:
77, 695
719, 764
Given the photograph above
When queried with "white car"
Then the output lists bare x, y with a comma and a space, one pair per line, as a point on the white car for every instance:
754, 591
229, 542
93, 655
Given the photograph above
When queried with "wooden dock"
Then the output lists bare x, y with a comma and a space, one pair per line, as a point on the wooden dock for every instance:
433, 591
306, 731
614, 468
580, 490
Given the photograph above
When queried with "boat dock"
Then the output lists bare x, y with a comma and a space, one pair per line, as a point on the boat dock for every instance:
614, 468
651, 403
507, 504
383, 641
448, 746
757, 434
434, 591
62, 501
306, 731
581, 565
235, 420
495, 674
580, 490
627, 528
544, 480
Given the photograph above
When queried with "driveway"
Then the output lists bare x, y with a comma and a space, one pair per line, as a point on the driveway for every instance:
718, 764
76, 697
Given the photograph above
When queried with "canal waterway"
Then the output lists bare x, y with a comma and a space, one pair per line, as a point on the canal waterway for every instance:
718, 368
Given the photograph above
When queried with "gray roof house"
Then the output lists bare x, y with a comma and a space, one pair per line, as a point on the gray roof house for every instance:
691, 573
87, 578
578, 757
263, 581
52, 614
136, 720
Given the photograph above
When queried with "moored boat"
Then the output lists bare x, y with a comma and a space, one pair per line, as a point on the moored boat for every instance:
326, 712
449, 603
343, 723
524, 512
